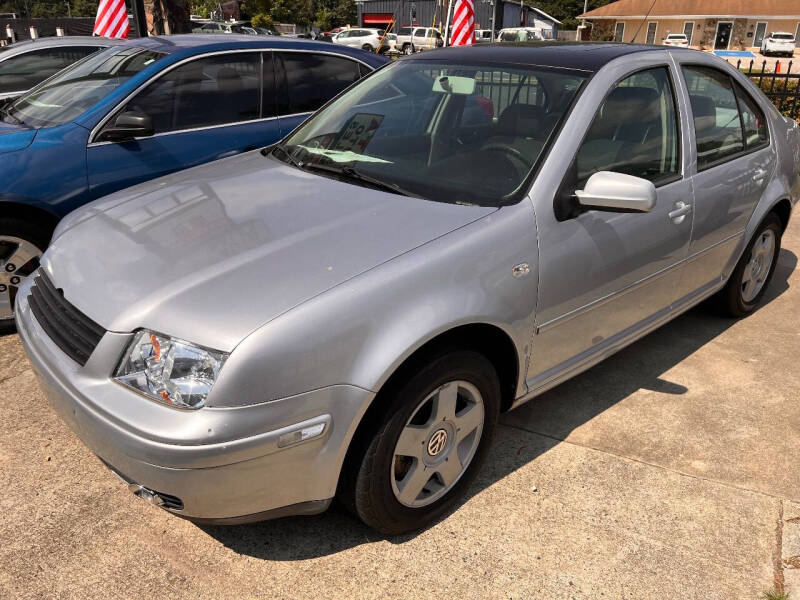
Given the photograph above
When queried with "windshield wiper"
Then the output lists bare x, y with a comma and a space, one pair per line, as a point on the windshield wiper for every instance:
6, 110
291, 159
349, 172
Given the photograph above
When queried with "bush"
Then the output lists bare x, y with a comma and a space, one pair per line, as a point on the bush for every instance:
789, 105
263, 20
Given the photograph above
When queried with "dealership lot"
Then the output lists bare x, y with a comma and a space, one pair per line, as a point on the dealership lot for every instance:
663, 472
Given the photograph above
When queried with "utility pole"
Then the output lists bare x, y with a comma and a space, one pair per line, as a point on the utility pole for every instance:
140, 17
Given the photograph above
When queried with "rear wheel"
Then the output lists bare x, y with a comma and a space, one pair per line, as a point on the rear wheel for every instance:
429, 446
753, 272
21, 247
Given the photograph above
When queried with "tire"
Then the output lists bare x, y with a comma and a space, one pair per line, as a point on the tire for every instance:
407, 49
21, 245
367, 48
446, 463
738, 300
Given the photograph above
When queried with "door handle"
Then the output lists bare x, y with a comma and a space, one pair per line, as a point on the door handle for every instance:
759, 175
681, 210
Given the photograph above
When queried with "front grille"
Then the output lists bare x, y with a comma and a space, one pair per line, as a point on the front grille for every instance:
72, 331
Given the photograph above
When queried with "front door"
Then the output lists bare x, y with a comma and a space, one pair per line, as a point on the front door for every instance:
604, 275
734, 162
723, 38
203, 110
761, 30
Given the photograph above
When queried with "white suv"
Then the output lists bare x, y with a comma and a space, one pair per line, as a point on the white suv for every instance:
366, 39
424, 38
778, 42
676, 40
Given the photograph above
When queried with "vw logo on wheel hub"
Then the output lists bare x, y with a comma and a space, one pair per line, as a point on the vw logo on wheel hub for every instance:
437, 442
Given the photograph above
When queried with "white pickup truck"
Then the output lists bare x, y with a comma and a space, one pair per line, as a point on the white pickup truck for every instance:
421, 38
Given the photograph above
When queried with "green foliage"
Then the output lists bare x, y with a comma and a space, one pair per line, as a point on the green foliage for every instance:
774, 596
567, 11
263, 20
324, 14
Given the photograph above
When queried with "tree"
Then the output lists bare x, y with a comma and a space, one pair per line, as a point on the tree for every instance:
567, 11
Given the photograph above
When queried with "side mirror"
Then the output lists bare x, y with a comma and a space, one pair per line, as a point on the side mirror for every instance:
618, 192
127, 126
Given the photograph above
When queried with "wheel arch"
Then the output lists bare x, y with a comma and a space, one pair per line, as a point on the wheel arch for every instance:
489, 340
29, 212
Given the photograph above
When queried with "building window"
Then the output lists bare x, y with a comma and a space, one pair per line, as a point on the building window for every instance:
688, 31
619, 32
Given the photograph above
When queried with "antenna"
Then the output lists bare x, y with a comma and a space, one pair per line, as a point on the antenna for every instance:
644, 20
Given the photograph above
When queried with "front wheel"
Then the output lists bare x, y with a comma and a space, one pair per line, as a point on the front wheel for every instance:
753, 272
437, 429
21, 246
367, 48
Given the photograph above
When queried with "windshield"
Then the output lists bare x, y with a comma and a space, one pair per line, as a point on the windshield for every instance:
74, 90
450, 133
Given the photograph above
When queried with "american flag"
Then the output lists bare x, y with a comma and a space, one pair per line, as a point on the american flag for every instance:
463, 23
112, 19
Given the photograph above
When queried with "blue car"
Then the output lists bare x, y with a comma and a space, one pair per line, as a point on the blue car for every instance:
143, 109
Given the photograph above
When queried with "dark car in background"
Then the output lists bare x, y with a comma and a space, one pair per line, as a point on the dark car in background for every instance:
144, 109
25, 64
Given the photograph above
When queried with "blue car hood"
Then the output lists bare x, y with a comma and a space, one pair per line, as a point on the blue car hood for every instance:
15, 137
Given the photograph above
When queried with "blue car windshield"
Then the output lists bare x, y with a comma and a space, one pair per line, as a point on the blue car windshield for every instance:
74, 90
456, 133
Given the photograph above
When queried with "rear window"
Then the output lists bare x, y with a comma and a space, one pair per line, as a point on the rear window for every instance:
404, 31
782, 36
676, 36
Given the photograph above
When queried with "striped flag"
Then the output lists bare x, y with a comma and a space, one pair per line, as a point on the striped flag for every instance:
463, 24
112, 19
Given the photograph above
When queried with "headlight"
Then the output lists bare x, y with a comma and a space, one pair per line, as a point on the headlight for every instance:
169, 370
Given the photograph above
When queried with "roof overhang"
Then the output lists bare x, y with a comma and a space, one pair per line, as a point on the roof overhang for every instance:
651, 17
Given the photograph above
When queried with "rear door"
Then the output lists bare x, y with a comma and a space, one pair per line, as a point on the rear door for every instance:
204, 109
307, 80
734, 162
21, 72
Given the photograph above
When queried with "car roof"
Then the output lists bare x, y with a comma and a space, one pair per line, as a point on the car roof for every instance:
190, 44
586, 56
51, 42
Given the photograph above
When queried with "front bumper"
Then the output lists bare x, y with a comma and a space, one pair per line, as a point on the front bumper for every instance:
224, 464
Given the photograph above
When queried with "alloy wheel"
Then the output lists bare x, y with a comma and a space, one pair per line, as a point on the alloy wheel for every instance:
437, 444
758, 267
18, 259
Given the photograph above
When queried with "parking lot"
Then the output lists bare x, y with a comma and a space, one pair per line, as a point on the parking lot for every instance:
667, 471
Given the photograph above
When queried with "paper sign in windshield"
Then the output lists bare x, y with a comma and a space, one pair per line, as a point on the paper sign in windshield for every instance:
357, 132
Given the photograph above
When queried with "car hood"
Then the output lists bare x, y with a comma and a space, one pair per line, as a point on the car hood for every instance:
210, 254
15, 137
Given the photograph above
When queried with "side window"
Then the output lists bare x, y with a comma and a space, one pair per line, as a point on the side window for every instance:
204, 92
22, 72
753, 120
313, 79
635, 131
718, 129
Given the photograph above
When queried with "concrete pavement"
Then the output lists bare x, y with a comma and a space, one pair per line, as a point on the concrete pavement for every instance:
669, 471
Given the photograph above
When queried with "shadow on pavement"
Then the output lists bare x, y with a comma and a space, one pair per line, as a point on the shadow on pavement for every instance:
557, 412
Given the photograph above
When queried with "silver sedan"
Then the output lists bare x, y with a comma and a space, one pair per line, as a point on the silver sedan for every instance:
348, 312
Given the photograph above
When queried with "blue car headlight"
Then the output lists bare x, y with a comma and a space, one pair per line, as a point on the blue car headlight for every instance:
169, 370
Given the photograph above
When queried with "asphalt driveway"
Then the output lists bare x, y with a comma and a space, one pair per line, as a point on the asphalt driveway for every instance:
669, 471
